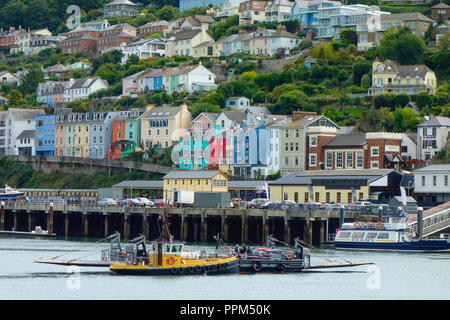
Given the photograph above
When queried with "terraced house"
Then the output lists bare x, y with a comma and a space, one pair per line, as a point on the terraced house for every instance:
162, 126
391, 77
45, 135
190, 78
126, 134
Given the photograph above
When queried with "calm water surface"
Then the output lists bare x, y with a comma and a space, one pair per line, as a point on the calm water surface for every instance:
396, 276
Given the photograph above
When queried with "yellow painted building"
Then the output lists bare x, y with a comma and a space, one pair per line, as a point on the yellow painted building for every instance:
81, 140
197, 181
164, 125
389, 77
334, 186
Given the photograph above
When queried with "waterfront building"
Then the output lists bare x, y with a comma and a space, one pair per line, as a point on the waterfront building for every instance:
45, 135
197, 181
432, 137
126, 134
293, 140
3, 115
162, 126
372, 150
18, 121
25, 145
431, 184
336, 186
391, 77
409, 146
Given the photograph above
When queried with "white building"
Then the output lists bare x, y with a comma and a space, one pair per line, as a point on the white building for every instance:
81, 88
432, 137
332, 20
16, 122
431, 184
409, 146
25, 144
145, 48
230, 8
278, 11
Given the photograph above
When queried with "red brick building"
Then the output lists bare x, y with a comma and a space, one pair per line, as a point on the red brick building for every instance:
152, 27
375, 150
115, 37
83, 39
9, 37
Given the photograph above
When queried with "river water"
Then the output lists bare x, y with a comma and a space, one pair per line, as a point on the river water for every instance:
394, 276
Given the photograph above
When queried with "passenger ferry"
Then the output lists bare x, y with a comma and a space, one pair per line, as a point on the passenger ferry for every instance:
9, 193
385, 237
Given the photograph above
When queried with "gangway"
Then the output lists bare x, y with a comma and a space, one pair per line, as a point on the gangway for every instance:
434, 220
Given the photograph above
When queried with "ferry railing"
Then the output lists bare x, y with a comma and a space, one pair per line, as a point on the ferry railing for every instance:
331, 237
433, 223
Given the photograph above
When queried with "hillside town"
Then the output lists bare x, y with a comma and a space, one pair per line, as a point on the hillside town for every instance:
279, 91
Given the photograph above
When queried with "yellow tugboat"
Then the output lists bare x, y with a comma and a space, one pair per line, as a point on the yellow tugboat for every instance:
168, 257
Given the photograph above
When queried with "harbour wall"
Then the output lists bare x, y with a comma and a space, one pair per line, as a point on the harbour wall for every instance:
187, 224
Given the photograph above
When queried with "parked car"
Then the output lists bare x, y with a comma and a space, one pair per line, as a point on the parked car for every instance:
256, 203
145, 202
363, 203
107, 202
161, 203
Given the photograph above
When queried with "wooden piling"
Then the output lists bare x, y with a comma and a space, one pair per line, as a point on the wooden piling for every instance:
85, 224
50, 219
3, 216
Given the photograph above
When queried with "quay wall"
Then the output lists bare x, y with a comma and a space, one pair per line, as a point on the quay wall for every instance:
187, 224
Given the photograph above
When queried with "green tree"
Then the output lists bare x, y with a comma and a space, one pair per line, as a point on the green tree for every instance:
366, 81
31, 80
361, 68
348, 36
402, 46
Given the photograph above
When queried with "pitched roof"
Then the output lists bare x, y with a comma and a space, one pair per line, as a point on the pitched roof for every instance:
407, 16
187, 34
161, 112
436, 121
192, 174
84, 83
236, 115
441, 5
117, 2
26, 134
435, 167
25, 114
341, 140
391, 66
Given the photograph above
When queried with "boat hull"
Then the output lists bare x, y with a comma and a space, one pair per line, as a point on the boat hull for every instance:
271, 266
212, 269
413, 246
10, 196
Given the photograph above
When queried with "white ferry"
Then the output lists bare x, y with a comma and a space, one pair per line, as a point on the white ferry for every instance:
385, 237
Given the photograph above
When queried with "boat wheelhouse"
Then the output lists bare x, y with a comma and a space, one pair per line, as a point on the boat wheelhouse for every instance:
385, 237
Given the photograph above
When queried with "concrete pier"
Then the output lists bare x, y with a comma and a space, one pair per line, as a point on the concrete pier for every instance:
187, 224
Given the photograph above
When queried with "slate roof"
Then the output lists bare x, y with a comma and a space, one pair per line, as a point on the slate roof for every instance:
347, 140
117, 2
404, 70
26, 134
436, 121
441, 5
194, 174
235, 115
434, 167
25, 114
161, 112
84, 83
306, 177
187, 34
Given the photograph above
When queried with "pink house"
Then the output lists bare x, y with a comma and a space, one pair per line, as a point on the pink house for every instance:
130, 84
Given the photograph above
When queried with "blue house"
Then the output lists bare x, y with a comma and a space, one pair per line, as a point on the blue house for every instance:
45, 135
189, 4
307, 12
